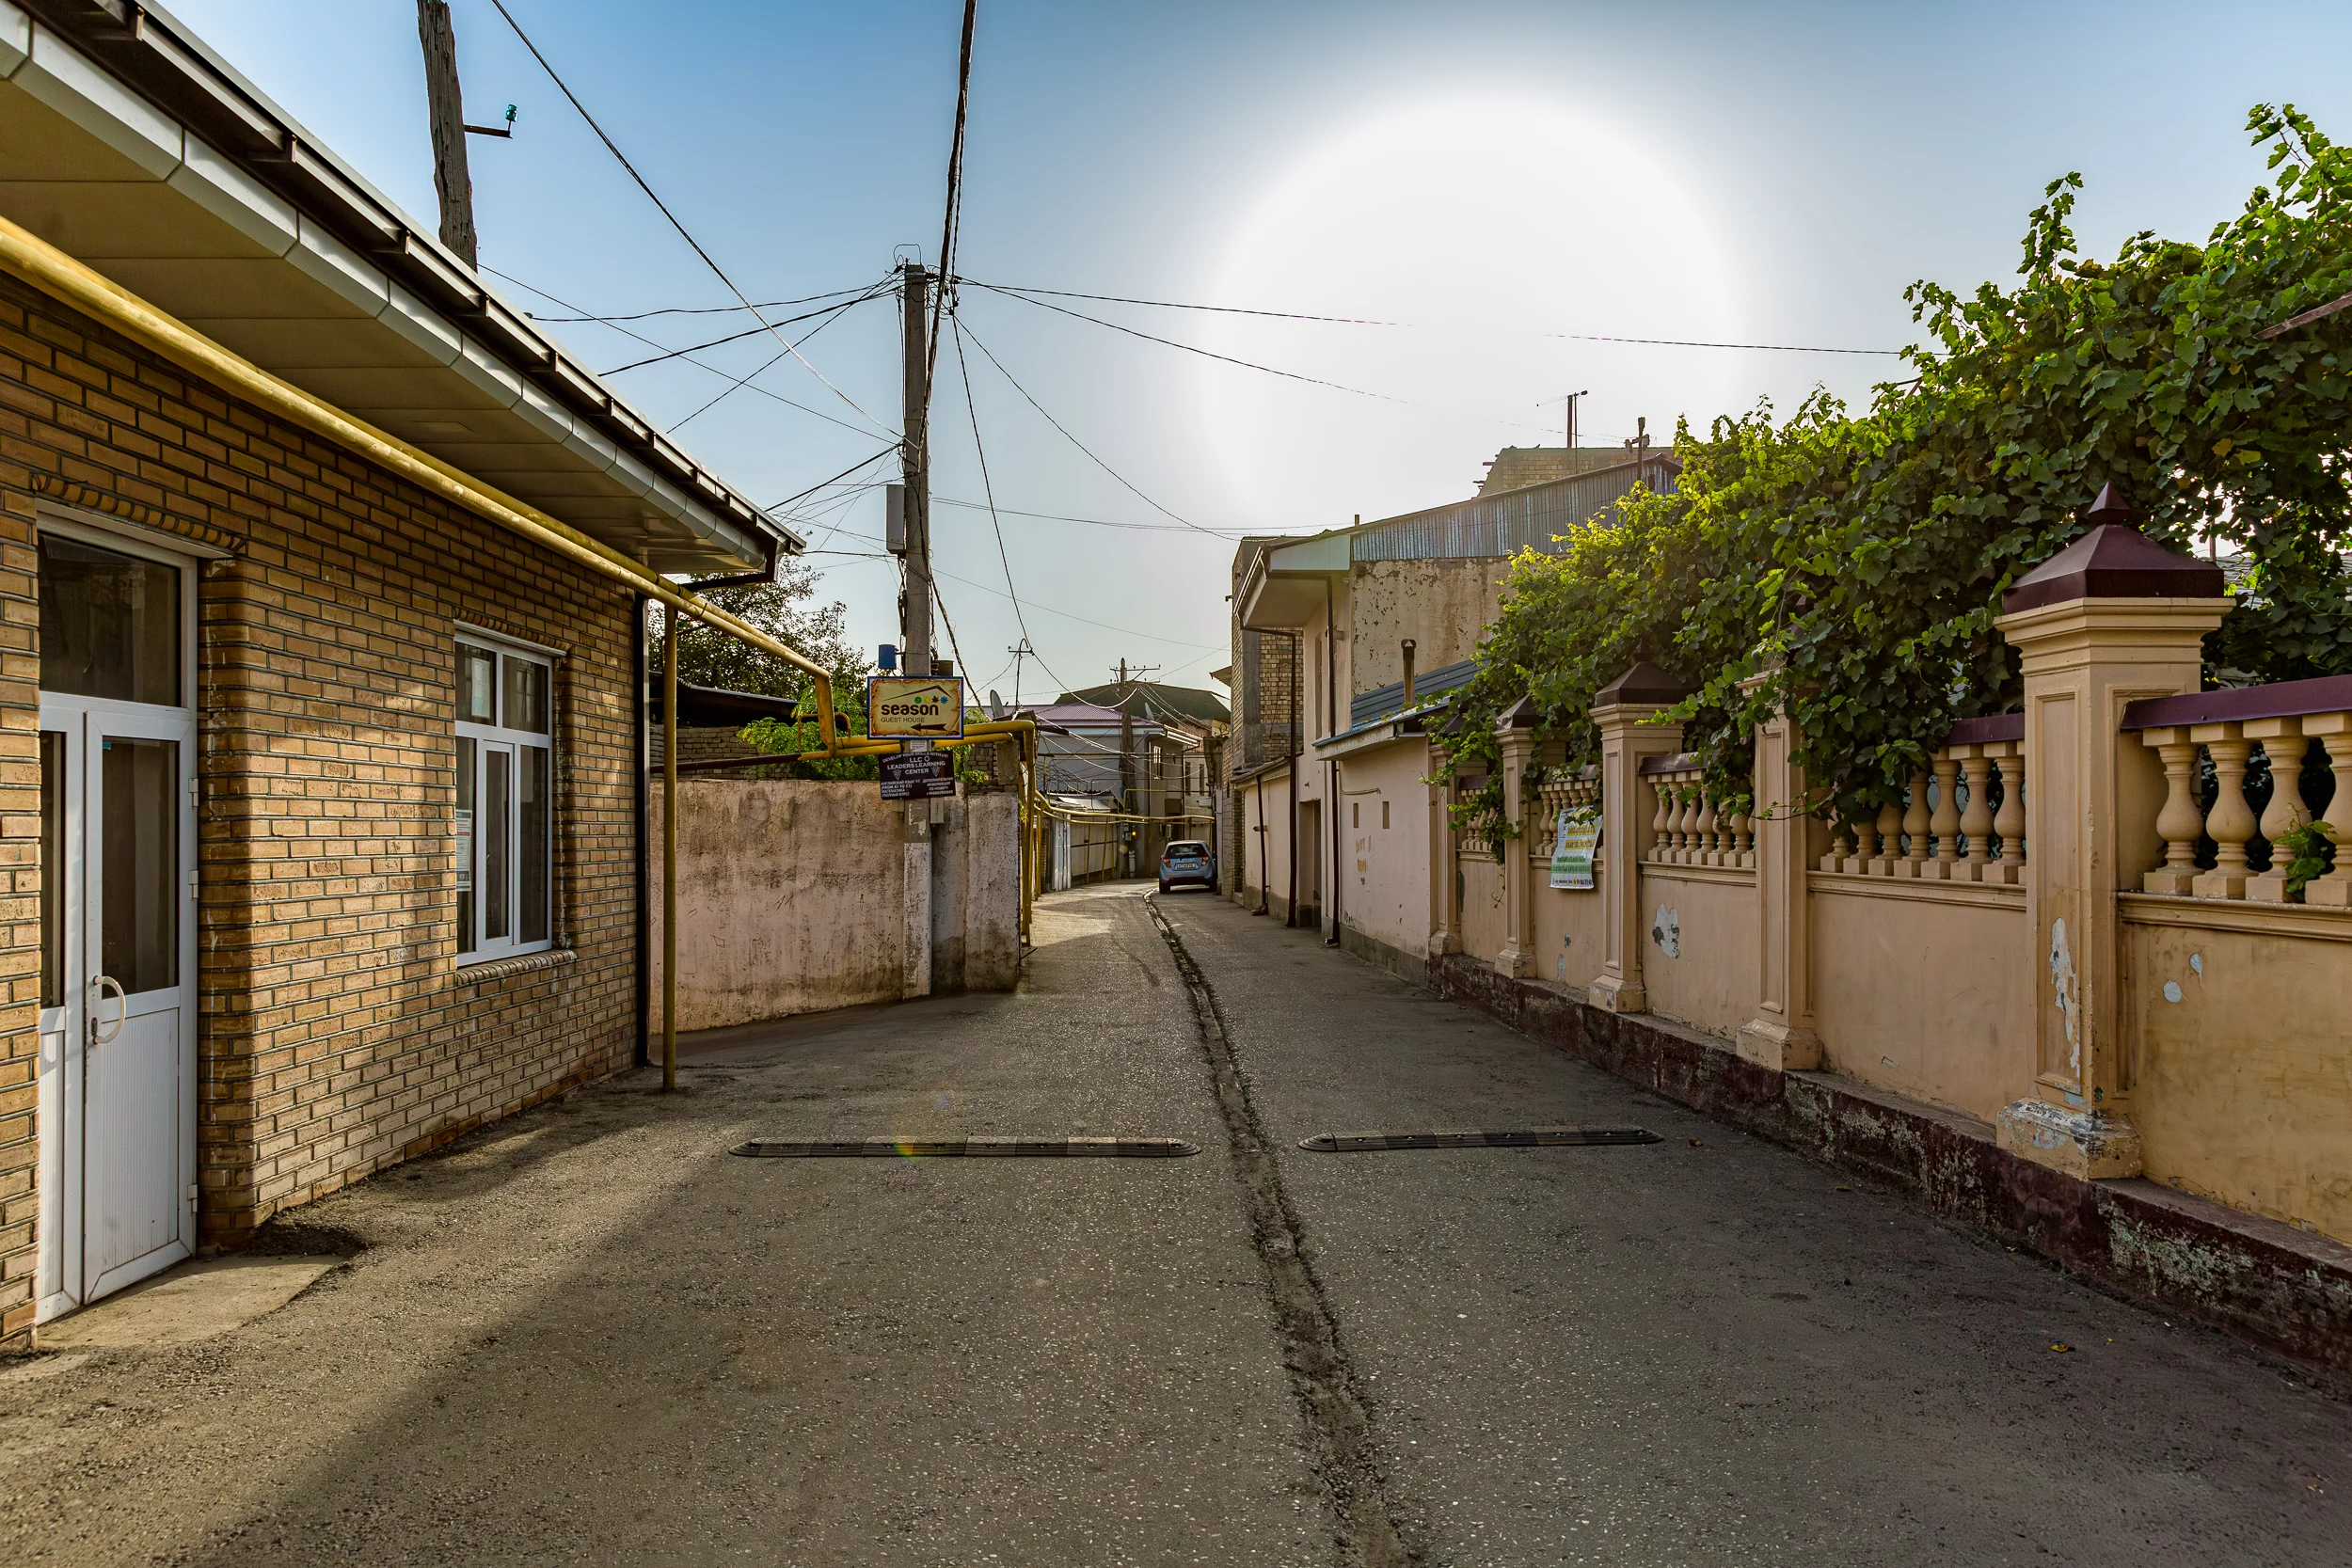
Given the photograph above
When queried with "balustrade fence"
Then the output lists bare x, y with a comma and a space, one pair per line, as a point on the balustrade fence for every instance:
2246, 771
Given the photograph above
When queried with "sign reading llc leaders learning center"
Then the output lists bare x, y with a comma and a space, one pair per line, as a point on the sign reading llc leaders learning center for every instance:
912, 707
918, 776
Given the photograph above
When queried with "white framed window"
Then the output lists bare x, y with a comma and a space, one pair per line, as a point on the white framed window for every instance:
505, 827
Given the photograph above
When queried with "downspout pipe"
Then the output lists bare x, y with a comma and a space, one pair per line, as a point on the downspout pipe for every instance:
34, 261
641, 894
1331, 767
668, 852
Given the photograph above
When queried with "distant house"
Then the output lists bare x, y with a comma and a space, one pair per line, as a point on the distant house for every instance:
323, 592
1324, 817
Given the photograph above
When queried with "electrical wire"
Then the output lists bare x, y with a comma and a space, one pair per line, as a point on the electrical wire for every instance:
953, 646
777, 397
692, 309
1171, 305
951, 224
1095, 522
1049, 419
622, 159
1021, 290
987, 488
1206, 354
836, 316
830, 312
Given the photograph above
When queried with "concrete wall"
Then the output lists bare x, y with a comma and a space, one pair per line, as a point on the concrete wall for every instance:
1700, 951
2243, 1086
1927, 990
1444, 605
791, 898
1568, 923
1384, 834
1485, 921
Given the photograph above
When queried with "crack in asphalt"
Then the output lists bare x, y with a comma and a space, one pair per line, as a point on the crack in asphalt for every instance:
1320, 1375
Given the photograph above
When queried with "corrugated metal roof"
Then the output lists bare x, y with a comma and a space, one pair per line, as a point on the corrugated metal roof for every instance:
1505, 524
1381, 701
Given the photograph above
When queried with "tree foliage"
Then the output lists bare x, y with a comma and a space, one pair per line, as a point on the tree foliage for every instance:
1851, 566
787, 610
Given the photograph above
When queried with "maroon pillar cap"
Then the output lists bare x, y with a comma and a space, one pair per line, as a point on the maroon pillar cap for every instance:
1521, 715
1645, 683
2114, 561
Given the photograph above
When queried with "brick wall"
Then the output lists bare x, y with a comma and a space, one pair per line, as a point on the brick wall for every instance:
336, 1035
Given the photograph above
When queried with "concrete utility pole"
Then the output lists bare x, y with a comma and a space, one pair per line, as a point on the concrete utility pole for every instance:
914, 465
915, 614
447, 109
1023, 651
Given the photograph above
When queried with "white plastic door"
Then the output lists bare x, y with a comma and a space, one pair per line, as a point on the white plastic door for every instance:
118, 1095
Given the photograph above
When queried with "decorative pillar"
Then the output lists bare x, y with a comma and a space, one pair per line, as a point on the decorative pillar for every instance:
1514, 734
2334, 731
2112, 617
1781, 1035
1445, 914
1627, 710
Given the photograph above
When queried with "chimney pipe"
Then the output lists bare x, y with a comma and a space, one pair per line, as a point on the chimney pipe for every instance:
1408, 671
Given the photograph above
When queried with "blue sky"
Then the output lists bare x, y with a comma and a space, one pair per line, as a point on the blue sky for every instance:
1494, 178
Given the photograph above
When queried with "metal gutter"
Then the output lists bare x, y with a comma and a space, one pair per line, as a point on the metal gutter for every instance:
34, 261
158, 57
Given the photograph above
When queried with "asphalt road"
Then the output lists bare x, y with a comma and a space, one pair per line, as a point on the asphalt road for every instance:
591, 1334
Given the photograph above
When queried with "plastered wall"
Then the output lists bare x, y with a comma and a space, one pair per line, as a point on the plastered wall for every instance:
791, 898
2241, 1069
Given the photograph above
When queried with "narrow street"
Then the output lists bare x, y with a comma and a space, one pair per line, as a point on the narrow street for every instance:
590, 1334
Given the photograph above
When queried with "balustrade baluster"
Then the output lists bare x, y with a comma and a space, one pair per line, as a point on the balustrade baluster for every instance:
2334, 731
1659, 838
2181, 820
2282, 744
2231, 822
2008, 823
1890, 846
1706, 826
1915, 859
1743, 839
1976, 819
1944, 823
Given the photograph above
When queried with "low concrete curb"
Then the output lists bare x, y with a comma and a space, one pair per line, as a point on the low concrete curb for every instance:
2269, 1284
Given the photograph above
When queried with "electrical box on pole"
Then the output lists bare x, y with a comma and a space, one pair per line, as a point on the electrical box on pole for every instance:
894, 518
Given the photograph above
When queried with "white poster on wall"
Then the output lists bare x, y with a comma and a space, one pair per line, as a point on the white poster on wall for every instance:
1573, 843
465, 849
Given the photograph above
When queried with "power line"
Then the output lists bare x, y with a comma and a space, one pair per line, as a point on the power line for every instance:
1171, 305
1206, 354
828, 311
835, 480
693, 310
1683, 343
1081, 444
837, 312
1095, 522
1019, 291
716, 270
972, 409
952, 222
611, 322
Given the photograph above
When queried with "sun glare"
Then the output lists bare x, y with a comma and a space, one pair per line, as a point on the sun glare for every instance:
1484, 226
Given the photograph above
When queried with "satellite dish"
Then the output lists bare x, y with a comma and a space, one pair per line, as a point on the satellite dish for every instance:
995, 704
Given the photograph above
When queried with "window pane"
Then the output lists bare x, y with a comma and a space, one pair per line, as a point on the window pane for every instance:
498, 827
51, 869
535, 858
467, 941
526, 695
139, 919
477, 693
109, 623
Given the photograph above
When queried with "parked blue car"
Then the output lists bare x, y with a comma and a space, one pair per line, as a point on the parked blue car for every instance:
1187, 861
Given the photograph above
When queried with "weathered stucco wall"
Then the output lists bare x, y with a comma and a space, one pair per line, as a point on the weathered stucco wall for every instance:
2243, 1086
1926, 990
1444, 605
1569, 938
1485, 923
1384, 829
1700, 948
791, 898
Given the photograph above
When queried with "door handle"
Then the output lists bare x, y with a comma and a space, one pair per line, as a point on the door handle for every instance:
122, 1010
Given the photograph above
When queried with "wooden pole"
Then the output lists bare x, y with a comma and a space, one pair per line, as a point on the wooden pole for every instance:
445, 108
